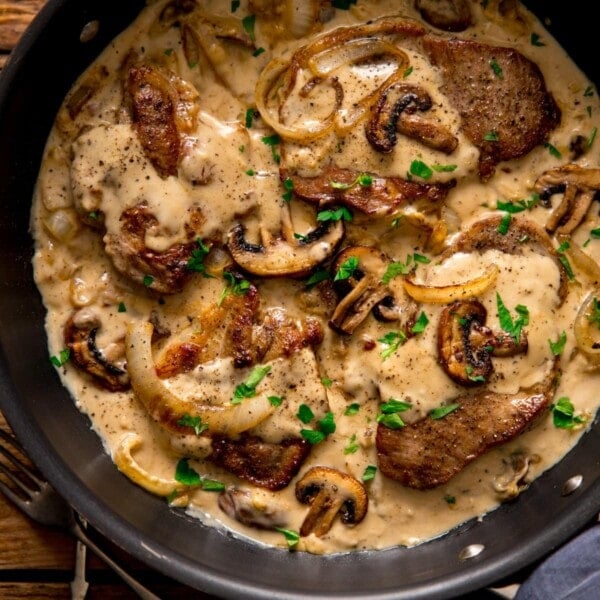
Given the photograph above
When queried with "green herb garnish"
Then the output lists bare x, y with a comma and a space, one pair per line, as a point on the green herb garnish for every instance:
122, 308
194, 422
347, 269
420, 324
288, 185
352, 409
247, 389
189, 476
273, 141
291, 537
491, 136
318, 276
362, 179
305, 413
442, 411
62, 358
352, 446
536, 40
563, 414
236, 285
391, 341
248, 24
420, 169
196, 261
339, 214
496, 68
513, 328
557, 347
553, 150
369, 473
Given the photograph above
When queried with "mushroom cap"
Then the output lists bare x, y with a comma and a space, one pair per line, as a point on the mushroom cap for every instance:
330, 492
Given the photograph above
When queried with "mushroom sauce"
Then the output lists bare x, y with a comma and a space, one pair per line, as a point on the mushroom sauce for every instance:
257, 110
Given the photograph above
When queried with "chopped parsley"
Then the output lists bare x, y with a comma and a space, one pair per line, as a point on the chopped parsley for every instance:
275, 400
352, 409
347, 269
444, 168
504, 224
148, 280
247, 389
273, 141
305, 414
391, 341
448, 499
250, 172
557, 347
553, 150
343, 4
194, 422
62, 358
407, 72
325, 427
340, 214
288, 185
403, 268
362, 179
196, 261
326, 381
189, 476
369, 473
168, 51
563, 414
496, 68
420, 324
491, 136
519, 205
248, 24
442, 411
589, 91
258, 52
352, 446
249, 119
389, 416
318, 276
122, 308
594, 316
235, 4
592, 137
564, 260
420, 169
536, 40
513, 328
236, 285
291, 537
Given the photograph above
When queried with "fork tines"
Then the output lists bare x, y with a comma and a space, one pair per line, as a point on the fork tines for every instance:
21, 475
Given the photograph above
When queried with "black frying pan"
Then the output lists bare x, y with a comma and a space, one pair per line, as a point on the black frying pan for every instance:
60, 441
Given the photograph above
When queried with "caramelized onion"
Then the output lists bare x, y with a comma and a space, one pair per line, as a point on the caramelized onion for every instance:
445, 294
125, 462
168, 409
587, 334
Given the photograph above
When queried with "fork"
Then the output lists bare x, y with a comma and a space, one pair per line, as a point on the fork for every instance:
42, 503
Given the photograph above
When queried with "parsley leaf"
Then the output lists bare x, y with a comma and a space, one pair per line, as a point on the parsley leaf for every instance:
250, 114
188, 476
535, 40
194, 422
236, 285
563, 414
420, 324
292, 537
325, 427
273, 141
442, 411
553, 150
491, 136
420, 169
318, 276
346, 269
352, 409
391, 342
196, 261
504, 224
352, 446
513, 328
496, 68
369, 473
340, 214
557, 347
305, 414
148, 280
248, 24
247, 389
288, 185
62, 358
275, 400
362, 179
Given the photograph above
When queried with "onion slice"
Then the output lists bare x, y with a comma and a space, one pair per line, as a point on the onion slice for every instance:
125, 462
587, 334
167, 409
445, 294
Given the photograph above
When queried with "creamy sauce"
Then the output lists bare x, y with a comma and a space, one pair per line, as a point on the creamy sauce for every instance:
95, 164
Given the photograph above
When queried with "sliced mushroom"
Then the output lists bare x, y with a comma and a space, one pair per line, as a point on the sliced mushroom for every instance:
579, 186
466, 345
80, 337
285, 255
329, 492
364, 291
449, 15
395, 111
513, 481
250, 509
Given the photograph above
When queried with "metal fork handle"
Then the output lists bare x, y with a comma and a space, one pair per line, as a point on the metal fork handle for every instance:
135, 585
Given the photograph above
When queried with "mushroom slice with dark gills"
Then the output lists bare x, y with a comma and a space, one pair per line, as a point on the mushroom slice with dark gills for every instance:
501, 96
80, 338
396, 111
163, 106
372, 195
285, 255
364, 291
466, 345
429, 452
330, 492
579, 187
449, 15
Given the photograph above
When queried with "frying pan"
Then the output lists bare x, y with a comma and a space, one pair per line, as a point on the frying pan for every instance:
60, 440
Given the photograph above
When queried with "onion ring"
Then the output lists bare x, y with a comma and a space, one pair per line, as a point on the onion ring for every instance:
445, 294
